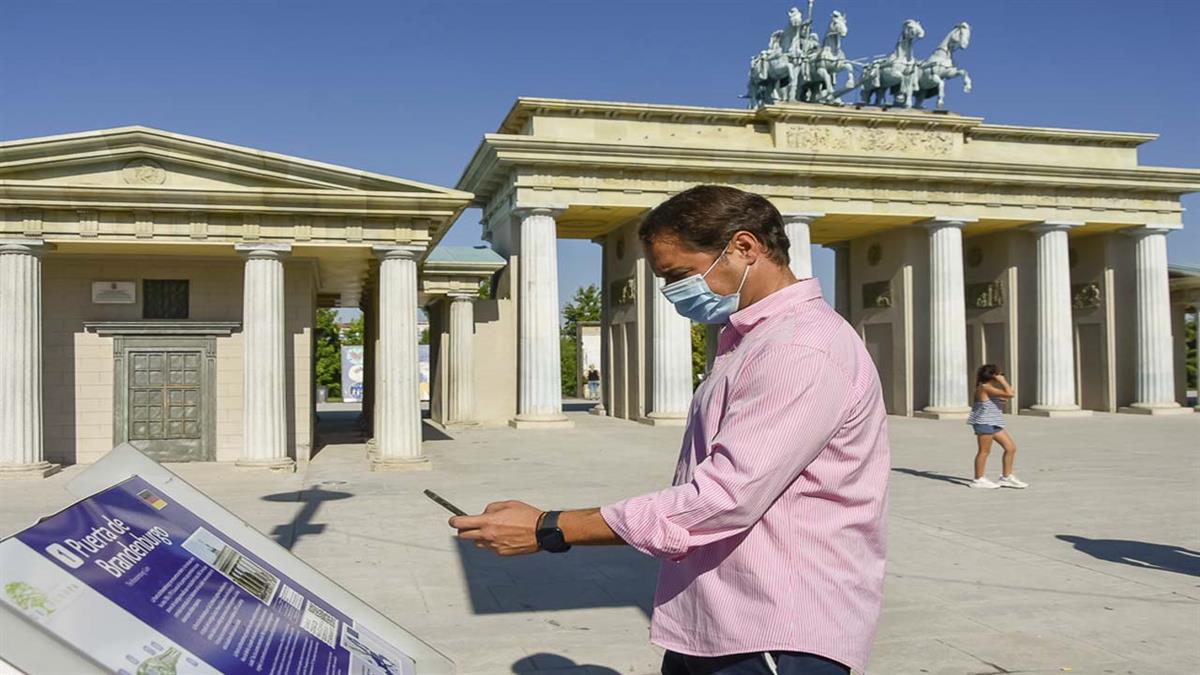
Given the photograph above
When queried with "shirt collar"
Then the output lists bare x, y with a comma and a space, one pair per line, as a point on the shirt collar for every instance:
744, 320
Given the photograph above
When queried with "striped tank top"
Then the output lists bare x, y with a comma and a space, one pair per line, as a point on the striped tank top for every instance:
986, 412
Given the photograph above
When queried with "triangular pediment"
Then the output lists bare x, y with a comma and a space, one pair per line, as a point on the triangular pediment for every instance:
140, 157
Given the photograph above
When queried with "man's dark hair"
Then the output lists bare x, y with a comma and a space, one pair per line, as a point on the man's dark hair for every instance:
706, 217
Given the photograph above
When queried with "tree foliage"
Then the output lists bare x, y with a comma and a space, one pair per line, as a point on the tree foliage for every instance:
353, 334
567, 352
1189, 332
584, 307
329, 351
699, 346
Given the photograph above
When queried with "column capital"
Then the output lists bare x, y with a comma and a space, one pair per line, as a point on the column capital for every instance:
526, 211
410, 252
1053, 226
24, 247
272, 250
1151, 228
947, 221
805, 217
463, 297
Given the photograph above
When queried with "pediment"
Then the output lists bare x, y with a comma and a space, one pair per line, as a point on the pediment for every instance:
139, 157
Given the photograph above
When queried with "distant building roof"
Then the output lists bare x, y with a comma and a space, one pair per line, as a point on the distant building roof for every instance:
1183, 270
464, 254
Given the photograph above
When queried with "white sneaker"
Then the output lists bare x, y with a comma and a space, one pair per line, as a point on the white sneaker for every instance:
984, 483
1012, 482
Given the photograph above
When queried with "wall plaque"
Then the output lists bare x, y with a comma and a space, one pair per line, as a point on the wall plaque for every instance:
1085, 296
114, 292
877, 295
987, 295
624, 291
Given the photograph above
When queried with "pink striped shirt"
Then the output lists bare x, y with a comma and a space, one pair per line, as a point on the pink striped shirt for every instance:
773, 534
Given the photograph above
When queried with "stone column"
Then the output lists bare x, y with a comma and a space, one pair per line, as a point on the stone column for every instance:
1154, 386
800, 251
539, 385
462, 359
947, 321
671, 376
398, 380
264, 361
841, 270
22, 454
1055, 394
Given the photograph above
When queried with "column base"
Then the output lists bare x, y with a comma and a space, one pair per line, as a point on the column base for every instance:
28, 471
664, 420
598, 410
284, 465
1055, 411
1171, 408
541, 422
943, 413
400, 464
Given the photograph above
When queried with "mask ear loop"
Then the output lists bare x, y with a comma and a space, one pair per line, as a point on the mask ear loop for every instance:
745, 275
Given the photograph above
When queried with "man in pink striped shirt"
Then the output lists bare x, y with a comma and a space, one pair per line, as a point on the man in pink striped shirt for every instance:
772, 535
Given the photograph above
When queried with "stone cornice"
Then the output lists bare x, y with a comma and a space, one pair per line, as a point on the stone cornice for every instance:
263, 200
157, 327
526, 108
114, 142
500, 151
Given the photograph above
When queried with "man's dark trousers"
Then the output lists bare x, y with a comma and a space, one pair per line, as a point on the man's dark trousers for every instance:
786, 663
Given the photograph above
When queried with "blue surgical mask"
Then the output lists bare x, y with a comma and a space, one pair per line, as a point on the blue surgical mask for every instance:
694, 299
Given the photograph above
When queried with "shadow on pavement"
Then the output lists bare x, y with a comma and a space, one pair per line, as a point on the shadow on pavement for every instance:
1139, 554
583, 578
337, 427
957, 480
432, 433
301, 525
578, 406
558, 664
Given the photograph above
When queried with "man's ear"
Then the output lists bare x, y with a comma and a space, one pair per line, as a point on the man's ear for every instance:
748, 246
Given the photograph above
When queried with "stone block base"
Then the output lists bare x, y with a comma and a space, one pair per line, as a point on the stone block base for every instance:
664, 421
598, 410
398, 464
933, 414
1139, 410
286, 465
559, 422
1056, 412
28, 471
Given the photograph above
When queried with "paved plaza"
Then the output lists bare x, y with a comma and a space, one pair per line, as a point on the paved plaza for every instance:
1094, 569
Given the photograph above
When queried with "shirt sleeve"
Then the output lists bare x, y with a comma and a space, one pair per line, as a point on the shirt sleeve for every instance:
782, 410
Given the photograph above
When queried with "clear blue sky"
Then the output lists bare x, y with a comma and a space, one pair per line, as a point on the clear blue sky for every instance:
408, 88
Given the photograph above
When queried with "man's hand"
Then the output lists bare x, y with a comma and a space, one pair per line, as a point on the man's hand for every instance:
508, 528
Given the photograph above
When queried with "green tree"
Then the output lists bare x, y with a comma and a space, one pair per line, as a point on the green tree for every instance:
329, 352
699, 351
424, 339
353, 334
584, 307
1189, 332
485, 289
567, 352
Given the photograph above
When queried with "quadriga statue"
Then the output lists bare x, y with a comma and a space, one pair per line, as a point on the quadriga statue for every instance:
939, 67
894, 74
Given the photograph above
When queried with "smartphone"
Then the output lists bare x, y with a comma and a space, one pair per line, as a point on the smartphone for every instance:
445, 504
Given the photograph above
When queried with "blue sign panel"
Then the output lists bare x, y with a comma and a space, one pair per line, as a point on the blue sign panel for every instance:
143, 585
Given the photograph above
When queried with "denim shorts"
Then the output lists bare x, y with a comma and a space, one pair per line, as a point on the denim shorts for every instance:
981, 429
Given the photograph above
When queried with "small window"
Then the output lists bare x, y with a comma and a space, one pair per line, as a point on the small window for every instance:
164, 299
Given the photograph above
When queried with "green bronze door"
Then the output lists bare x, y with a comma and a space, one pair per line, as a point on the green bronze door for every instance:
164, 406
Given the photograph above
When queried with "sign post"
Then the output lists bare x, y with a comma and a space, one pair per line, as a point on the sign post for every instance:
146, 575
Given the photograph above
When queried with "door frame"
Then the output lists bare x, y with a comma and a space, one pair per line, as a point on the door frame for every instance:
124, 345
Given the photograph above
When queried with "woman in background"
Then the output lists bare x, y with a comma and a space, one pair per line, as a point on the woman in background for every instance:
987, 419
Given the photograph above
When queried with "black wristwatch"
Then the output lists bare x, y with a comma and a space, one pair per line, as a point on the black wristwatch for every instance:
549, 537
